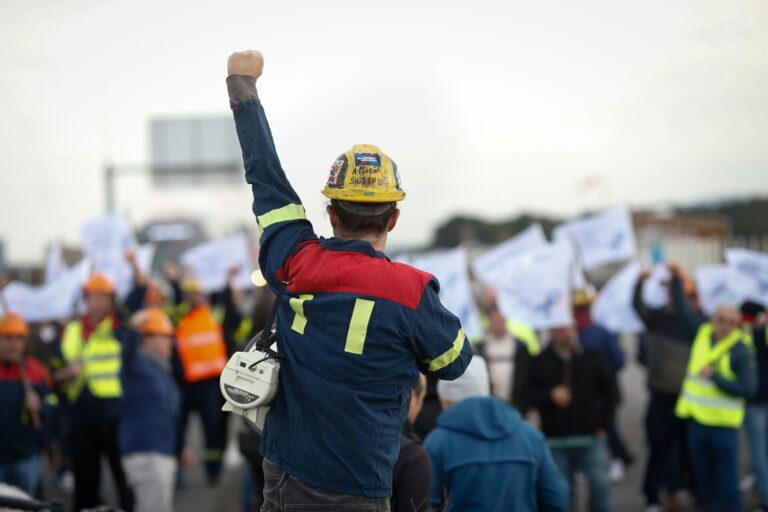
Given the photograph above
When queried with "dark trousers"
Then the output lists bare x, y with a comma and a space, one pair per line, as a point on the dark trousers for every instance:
667, 455
205, 397
284, 493
89, 442
715, 460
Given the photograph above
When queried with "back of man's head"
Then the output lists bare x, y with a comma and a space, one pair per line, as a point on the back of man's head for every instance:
474, 382
364, 187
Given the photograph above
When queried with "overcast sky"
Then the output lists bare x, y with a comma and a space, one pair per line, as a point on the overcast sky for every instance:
488, 108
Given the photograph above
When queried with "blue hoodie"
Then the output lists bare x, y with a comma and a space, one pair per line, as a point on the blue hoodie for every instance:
486, 458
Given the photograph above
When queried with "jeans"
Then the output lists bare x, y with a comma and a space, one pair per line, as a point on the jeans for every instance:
592, 460
151, 476
24, 474
714, 455
285, 493
756, 425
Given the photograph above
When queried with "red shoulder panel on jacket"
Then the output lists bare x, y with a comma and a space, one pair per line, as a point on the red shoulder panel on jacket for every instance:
38, 374
315, 269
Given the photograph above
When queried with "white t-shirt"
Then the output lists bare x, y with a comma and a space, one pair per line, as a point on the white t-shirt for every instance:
500, 355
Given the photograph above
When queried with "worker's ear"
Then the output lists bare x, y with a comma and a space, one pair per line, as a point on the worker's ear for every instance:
332, 216
393, 220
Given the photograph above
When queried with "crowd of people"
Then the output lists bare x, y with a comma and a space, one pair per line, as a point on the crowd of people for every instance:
384, 402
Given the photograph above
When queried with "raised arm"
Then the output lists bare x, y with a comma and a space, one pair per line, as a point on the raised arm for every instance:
279, 213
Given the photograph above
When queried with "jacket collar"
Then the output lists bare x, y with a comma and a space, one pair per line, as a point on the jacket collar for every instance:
343, 244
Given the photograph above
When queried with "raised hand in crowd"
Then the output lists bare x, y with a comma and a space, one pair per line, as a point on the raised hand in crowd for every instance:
561, 396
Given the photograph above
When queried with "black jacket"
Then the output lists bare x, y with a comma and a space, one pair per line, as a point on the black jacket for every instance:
592, 386
412, 475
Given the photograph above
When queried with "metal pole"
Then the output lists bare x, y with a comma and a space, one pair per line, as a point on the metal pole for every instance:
109, 188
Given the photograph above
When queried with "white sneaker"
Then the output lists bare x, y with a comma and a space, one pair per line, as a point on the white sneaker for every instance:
616, 473
67, 482
747, 483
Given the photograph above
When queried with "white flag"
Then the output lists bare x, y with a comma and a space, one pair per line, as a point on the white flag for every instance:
54, 300
606, 237
450, 269
105, 239
613, 307
656, 287
489, 267
54, 263
750, 277
714, 284
211, 261
535, 288
144, 256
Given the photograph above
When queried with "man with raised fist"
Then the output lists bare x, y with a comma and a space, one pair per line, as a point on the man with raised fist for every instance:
354, 328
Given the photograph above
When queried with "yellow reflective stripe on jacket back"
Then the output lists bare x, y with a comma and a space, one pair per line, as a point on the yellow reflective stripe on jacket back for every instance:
358, 326
449, 355
283, 214
297, 305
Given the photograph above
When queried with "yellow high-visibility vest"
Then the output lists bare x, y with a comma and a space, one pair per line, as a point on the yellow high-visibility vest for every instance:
101, 357
700, 398
525, 334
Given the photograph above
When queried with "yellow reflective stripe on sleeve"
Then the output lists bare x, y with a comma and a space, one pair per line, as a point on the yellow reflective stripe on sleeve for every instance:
283, 214
297, 305
51, 399
449, 355
358, 326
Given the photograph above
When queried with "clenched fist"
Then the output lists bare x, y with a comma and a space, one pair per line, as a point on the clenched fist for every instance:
249, 62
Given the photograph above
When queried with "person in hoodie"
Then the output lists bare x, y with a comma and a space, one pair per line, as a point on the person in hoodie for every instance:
149, 425
485, 457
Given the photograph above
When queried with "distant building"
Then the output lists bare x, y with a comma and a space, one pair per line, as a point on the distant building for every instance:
690, 240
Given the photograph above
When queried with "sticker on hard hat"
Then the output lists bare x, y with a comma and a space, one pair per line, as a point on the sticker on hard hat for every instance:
335, 170
367, 159
240, 396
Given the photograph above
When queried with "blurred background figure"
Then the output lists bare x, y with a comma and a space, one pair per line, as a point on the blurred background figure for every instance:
507, 359
412, 474
666, 350
92, 351
572, 387
26, 402
203, 354
485, 456
598, 338
150, 424
721, 375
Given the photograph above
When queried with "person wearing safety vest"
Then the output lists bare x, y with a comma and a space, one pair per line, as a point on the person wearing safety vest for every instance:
92, 350
353, 328
27, 404
149, 426
203, 354
721, 375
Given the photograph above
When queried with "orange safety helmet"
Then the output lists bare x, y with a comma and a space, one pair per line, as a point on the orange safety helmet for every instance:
99, 283
156, 323
154, 294
12, 324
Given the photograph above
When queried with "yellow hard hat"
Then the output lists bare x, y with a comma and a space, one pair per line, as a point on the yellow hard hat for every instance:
364, 174
191, 284
583, 297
